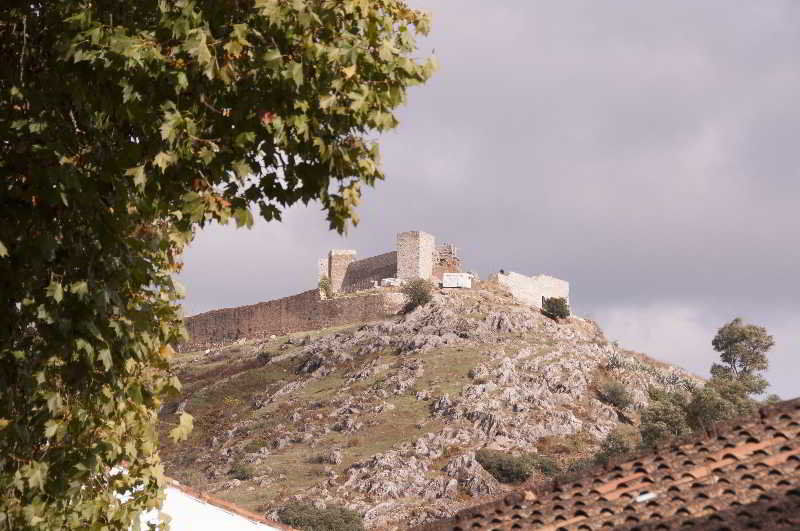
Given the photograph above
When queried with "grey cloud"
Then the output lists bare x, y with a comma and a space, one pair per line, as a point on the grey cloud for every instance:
645, 151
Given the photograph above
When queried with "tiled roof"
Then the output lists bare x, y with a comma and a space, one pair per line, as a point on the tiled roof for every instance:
739, 475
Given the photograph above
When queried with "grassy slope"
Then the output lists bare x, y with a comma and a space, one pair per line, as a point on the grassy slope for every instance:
219, 393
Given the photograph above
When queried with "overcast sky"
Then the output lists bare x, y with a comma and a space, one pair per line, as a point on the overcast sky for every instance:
645, 151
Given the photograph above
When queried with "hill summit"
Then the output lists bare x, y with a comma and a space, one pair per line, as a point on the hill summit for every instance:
389, 419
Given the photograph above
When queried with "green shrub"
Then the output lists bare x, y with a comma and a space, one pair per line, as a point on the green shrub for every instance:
772, 399
619, 442
613, 392
419, 292
615, 362
556, 307
665, 417
507, 468
242, 471
707, 407
326, 287
264, 356
544, 464
307, 517
575, 470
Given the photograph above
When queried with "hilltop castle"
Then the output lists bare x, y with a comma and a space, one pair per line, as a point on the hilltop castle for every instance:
416, 256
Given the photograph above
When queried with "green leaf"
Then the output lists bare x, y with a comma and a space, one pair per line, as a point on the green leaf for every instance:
85, 346
241, 168
326, 101
55, 290
3, 250
4, 423
165, 159
79, 288
245, 139
37, 473
139, 177
104, 355
296, 71
273, 56
54, 402
50, 428
183, 429
243, 217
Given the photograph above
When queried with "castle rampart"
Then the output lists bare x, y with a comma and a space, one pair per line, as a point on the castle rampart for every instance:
298, 313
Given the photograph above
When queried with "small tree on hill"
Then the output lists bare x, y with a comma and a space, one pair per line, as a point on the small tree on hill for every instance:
326, 287
743, 350
556, 307
419, 292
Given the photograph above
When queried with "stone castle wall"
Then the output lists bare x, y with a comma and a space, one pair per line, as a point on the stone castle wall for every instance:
298, 313
530, 290
361, 274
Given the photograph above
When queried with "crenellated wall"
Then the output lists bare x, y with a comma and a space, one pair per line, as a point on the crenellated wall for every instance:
298, 313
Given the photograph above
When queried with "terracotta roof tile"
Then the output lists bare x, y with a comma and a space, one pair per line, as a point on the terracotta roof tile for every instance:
743, 474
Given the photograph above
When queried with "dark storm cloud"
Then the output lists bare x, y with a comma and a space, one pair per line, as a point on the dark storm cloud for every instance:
644, 151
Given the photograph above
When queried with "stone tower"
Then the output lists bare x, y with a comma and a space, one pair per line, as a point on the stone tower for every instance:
338, 260
415, 251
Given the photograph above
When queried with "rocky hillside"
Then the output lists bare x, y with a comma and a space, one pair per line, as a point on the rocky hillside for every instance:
385, 418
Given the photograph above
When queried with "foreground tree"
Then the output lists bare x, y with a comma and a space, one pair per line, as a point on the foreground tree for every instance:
124, 126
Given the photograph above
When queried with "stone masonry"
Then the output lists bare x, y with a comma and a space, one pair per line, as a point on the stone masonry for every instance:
297, 313
415, 251
338, 262
417, 256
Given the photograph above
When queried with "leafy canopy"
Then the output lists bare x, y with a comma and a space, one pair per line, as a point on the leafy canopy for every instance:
124, 126
726, 395
743, 350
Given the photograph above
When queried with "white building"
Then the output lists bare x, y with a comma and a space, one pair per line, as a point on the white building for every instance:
188, 510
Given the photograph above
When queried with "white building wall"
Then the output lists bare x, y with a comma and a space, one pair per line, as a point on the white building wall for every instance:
186, 513
530, 290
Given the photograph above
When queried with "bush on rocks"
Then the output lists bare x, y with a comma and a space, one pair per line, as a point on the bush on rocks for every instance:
614, 392
309, 518
622, 441
242, 471
556, 307
507, 468
419, 292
